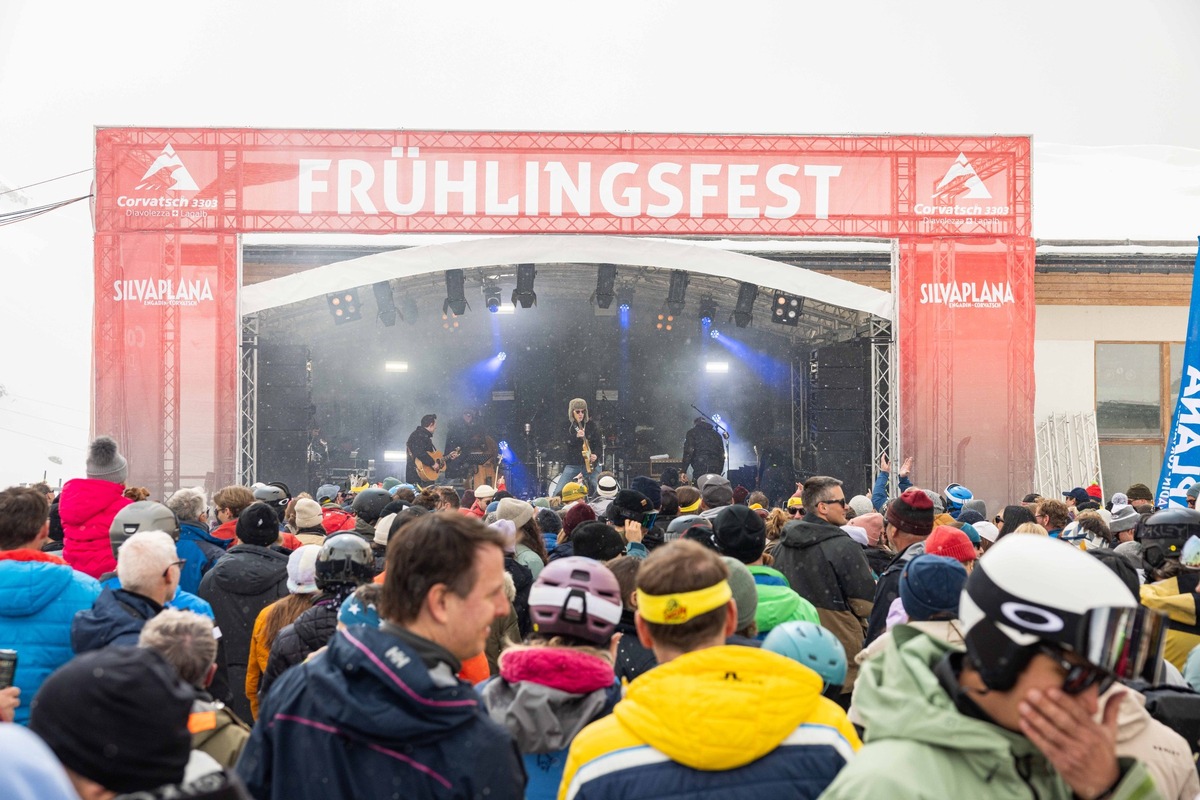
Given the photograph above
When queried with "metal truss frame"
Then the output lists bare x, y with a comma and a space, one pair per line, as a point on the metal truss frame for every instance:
1068, 453
884, 432
247, 456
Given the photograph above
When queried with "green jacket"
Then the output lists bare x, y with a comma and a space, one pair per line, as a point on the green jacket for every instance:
918, 745
777, 602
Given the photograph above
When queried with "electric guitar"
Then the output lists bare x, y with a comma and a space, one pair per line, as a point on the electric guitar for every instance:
430, 473
587, 454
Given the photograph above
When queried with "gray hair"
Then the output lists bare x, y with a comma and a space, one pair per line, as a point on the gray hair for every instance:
142, 560
818, 489
185, 639
188, 504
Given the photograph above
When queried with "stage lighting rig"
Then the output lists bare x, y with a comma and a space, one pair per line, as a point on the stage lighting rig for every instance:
491, 296
387, 304
625, 299
677, 291
606, 278
708, 311
524, 293
344, 306
786, 309
456, 298
743, 312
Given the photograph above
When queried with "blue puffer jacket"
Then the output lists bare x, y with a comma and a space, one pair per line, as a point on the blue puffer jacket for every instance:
39, 597
366, 718
200, 549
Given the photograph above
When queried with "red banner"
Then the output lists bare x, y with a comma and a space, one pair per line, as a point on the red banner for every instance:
640, 184
170, 203
966, 320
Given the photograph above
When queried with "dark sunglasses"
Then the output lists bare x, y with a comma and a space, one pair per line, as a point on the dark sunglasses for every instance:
1080, 677
794, 511
842, 502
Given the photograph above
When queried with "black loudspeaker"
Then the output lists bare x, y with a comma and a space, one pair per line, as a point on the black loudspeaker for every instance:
838, 415
285, 416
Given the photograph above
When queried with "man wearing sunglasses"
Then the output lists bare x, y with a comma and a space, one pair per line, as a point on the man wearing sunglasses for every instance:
827, 568
1047, 629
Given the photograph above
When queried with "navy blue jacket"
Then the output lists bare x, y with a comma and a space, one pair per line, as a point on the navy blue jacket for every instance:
117, 617
366, 718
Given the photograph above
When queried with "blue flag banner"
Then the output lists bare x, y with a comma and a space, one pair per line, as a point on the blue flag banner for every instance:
1181, 461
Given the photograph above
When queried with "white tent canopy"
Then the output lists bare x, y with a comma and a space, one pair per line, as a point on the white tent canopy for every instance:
560, 249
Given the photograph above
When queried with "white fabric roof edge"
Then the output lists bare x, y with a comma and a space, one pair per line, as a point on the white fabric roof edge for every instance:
556, 249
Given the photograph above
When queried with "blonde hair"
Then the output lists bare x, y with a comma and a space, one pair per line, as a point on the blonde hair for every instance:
1031, 527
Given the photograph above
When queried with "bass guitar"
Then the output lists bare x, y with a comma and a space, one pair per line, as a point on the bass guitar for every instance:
431, 472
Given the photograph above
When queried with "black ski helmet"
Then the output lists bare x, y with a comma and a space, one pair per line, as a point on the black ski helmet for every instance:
1163, 533
368, 504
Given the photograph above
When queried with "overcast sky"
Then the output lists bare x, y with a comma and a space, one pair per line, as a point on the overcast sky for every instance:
1069, 73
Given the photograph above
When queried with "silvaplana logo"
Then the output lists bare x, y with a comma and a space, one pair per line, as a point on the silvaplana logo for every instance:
168, 169
961, 174
163, 292
967, 295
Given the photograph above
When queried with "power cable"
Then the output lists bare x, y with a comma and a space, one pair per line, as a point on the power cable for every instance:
48, 180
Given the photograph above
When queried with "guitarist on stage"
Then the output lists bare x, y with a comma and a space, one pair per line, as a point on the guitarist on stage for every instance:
421, 448
584, 453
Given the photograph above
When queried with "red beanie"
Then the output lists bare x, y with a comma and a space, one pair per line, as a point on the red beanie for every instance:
912, 512
1094, 491
577, 515
948, 541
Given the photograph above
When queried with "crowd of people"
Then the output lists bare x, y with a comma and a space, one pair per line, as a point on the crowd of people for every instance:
673, 637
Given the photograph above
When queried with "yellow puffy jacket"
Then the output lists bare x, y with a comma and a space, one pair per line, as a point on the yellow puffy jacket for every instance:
736, 720
1177, 597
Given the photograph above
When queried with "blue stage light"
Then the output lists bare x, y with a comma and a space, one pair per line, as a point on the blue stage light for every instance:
715, 334
501, 355
503, 444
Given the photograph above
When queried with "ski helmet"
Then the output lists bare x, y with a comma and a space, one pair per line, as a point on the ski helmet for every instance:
813, 646
345, 559
144, 515
369, 503
1030, 592
272, 495
576, 596
956, 494
1163, 533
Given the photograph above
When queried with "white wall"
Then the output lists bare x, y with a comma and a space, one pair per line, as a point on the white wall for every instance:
1064, 352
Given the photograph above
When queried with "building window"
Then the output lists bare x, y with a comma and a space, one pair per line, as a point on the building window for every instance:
1137, 384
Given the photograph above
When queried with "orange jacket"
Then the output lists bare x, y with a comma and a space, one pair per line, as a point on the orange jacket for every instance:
259, 650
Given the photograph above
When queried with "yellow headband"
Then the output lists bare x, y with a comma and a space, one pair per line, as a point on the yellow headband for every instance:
678, 608
689, 509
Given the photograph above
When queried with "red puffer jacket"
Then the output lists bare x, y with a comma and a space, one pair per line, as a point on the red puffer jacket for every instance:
87, 507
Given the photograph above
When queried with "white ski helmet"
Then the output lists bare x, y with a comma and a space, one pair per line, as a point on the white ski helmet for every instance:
1030, 591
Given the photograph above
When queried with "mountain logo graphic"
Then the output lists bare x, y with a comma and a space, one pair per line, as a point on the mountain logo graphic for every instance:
168, 169
961, 174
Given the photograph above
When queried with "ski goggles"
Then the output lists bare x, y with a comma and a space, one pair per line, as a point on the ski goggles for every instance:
1126, 643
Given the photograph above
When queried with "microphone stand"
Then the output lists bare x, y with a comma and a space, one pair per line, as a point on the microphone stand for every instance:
724, 433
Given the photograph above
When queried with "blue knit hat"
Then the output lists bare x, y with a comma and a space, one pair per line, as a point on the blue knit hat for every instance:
930, 587
355, 612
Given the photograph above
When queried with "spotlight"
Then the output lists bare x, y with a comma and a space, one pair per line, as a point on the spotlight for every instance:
408, 309
714, 333
708, 311
744, 310
393, 456
524, 293
606, 277
716, 366
503, 444
676, 292
625, 299
716, 418
665, 322
491, 296
787, 309
395, 366
449, 322
456, 299
344, 306
501, 355
387, 306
